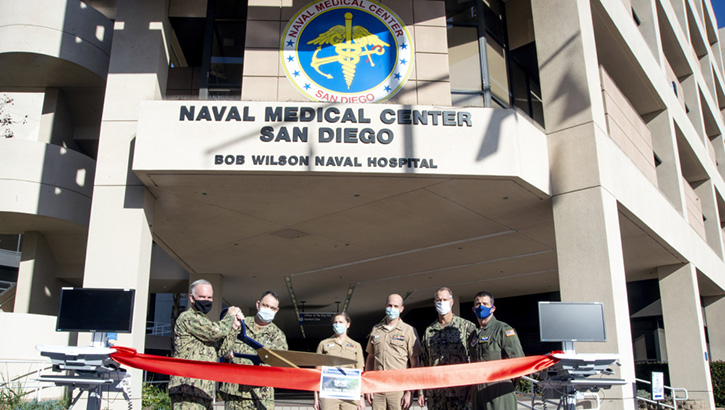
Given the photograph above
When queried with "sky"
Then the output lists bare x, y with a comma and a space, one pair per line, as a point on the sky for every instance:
718, 7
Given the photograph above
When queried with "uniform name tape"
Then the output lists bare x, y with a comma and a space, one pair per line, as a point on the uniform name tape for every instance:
309, 379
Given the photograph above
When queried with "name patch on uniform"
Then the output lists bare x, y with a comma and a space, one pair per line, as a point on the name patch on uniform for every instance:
330, 345
484, 339
398, 337
510, 333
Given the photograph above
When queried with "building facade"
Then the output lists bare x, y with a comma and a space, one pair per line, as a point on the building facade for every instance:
339, 150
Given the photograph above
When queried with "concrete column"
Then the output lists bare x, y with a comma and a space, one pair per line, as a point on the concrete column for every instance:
568, 64
217, 283
664, 143
38, 289
591, 269
120, 237
686, 347
706, 192
715, 320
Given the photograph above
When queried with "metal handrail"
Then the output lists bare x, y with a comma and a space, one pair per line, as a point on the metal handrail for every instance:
675, 399
158, 329
38, 388
532, 406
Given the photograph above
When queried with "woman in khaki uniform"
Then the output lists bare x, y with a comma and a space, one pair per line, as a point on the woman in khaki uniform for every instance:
341, 345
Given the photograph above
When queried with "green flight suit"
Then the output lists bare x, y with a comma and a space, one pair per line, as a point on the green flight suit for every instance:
447, 345
495, 341
239, 396
198, 338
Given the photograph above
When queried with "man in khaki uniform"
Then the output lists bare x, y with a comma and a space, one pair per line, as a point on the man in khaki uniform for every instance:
391, 345
342, 346
198, 338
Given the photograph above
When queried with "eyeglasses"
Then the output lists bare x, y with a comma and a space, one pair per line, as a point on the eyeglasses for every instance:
272, 308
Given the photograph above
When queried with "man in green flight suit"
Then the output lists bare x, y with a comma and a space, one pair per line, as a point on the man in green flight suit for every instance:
446, 342
198, 338
261, 329
493, 340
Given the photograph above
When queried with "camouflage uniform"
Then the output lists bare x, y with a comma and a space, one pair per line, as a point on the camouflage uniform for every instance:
239, 396
495, 341
447, 345
198, 338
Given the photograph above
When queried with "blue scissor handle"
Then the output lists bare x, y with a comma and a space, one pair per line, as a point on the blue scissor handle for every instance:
248, 340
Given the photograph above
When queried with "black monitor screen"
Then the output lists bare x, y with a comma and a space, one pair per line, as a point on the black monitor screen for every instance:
95, 310
571, 322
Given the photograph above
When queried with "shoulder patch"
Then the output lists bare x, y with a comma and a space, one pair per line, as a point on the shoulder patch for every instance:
510, 333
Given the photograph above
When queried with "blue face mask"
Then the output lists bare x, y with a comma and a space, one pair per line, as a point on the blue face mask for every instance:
339, 328
392, 313
482, 312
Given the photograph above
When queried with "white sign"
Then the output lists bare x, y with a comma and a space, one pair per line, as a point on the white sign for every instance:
658, 386
228, 136
339, 383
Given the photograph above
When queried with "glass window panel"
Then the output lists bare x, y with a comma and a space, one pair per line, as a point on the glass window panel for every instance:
461, 12
463, 59
520, 89
227, 53
498, 75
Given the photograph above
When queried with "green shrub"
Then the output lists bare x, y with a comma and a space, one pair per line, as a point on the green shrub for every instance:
154, 398
42, 405
717, 372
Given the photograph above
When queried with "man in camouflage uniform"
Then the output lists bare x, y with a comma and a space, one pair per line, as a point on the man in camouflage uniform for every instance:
446, 342
494, 340
261, 329
198, 338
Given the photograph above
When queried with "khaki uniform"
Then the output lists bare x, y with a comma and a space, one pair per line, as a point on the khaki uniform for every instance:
495, 341
198, 338
348, 349
444, 345
391, 349
239, 396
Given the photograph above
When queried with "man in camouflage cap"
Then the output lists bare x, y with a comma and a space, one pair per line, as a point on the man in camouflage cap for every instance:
261, 329
446, 342
198, 338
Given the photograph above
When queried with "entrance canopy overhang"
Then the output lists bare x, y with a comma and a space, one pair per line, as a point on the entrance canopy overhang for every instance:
345, 204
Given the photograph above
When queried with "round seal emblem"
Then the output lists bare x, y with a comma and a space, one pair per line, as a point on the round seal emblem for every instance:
347, 51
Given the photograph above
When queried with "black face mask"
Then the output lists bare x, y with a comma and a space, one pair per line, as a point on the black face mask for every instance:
203, 306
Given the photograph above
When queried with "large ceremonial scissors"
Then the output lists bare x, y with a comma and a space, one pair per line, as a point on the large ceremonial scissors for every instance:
286, 358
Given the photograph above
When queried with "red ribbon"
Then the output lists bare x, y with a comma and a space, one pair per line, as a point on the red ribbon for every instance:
309, 379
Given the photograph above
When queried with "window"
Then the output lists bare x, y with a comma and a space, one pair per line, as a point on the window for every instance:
210, 58
492, 56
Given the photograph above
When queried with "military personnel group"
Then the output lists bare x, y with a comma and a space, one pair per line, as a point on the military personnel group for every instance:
392, 344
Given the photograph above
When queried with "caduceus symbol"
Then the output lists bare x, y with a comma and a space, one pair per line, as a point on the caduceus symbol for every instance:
350, 43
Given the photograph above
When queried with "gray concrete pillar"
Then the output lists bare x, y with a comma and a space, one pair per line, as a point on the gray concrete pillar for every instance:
591, 269
686, 347
568, 64
715, 321
120, 238
37, 289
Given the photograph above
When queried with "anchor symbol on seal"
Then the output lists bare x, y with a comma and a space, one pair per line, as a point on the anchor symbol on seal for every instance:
351, 43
